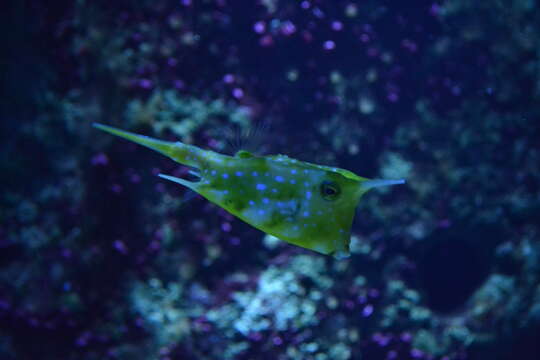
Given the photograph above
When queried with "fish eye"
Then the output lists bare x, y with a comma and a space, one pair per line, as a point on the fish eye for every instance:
330, 190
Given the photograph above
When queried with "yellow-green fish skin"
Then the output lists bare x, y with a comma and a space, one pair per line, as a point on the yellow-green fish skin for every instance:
305, 204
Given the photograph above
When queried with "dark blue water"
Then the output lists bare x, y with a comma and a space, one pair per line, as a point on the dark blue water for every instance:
101, 259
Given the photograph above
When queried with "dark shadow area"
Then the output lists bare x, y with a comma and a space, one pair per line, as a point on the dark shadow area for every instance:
455, 262
523, 345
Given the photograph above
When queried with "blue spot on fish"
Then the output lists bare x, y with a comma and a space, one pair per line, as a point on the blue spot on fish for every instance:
260, 186
279, 178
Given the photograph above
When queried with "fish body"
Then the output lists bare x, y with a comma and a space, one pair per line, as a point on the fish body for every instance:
305, 204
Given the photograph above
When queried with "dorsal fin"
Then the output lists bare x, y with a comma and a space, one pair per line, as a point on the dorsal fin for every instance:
243, 154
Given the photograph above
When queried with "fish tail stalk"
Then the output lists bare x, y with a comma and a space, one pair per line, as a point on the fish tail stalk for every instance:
179, 152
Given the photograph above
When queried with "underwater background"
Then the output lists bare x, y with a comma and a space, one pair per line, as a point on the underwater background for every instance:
101, 259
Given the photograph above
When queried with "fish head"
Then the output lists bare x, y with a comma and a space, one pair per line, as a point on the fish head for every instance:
305, 204
328, 204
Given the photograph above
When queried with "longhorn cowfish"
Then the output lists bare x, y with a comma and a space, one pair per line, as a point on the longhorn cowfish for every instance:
304, 204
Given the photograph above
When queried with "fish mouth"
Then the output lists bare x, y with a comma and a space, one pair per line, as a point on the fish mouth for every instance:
341, 254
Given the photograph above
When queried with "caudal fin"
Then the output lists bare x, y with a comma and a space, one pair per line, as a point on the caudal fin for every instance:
182, 153
164, 147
